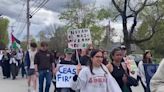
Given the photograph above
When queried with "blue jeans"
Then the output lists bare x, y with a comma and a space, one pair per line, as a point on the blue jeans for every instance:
44, 74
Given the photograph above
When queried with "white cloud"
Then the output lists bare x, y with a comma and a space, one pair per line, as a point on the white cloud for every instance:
46, 17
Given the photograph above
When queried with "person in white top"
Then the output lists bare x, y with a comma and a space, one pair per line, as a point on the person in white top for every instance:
147, 59
95, 77
30, 68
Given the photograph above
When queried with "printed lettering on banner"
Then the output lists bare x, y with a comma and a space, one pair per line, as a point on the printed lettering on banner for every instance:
79, 38
64, 75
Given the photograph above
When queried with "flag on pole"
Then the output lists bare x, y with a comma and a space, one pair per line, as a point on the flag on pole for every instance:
15, 42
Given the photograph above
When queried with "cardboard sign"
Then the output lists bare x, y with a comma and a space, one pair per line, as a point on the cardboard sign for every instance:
150, 70
79, 38
64, 75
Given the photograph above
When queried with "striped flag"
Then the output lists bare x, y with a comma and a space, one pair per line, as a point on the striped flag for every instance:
15, 42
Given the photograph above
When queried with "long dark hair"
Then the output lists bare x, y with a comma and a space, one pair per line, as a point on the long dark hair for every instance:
113, 52
92, 54
147, 60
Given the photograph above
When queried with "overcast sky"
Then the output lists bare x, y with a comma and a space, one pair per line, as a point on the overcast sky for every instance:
15, 10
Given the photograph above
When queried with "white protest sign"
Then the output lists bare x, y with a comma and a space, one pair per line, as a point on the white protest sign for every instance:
79, 38
64, 75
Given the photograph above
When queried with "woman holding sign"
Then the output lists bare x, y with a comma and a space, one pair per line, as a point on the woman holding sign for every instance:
95, 77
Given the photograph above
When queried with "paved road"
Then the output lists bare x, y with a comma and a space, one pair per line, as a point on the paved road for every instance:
20, 85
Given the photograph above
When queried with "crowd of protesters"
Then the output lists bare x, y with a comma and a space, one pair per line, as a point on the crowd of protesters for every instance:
110, 69
11, 63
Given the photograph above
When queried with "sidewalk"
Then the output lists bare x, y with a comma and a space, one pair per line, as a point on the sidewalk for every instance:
17, 85
20, 85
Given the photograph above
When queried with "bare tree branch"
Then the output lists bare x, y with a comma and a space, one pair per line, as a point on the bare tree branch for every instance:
130, 6
142, 7
153, 3
116, 16
153, 31
131, 15
133, 26
116, 6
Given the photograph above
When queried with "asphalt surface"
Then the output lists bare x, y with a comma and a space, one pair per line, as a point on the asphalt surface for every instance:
20, 85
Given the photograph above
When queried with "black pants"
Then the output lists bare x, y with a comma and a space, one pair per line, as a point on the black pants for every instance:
23, 72
6, 69
14, 70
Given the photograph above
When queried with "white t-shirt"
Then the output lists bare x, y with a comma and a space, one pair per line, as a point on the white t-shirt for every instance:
32, 56
19, 55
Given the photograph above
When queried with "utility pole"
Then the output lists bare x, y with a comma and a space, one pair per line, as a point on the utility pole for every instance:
28, 23
108, 31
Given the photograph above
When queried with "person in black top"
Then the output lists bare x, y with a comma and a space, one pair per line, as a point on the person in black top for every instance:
84, 58
44, 65
6, 65
74, 56
119, 70
68, 61
105, 57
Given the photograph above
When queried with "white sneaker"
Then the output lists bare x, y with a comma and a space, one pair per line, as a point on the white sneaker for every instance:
29, 89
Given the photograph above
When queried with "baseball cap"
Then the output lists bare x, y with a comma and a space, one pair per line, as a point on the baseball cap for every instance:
68, 51
123, 47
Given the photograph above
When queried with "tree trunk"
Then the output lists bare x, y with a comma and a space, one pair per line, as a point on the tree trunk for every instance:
126, 34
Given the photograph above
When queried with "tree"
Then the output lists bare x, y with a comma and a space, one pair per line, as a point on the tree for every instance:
137, 12
156, 43
4, 38
43, 36
23, 44
58, 42
79, 15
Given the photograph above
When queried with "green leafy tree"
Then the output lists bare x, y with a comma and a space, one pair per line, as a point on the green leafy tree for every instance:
58, 41
156, 43
79, 15
23, 44
149, 17
4, 38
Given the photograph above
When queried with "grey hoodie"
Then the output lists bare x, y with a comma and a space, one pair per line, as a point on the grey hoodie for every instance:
99, 82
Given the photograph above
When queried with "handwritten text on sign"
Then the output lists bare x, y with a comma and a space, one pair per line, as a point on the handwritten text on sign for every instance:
64, 75
79, 38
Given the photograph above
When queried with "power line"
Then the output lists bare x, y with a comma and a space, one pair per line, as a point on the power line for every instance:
22, 21
35, 3
39, 7
20, 18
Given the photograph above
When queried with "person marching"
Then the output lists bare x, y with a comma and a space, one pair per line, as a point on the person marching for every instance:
44, 66
6, 65
13, 65
30, 68
119, 70
95, 77
67, 61
147, 59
